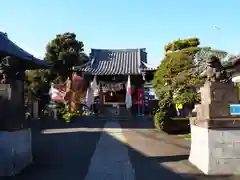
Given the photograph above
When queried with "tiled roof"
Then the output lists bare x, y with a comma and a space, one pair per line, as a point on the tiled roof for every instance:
9, 48
236, 60
147, 67
115, 62
231, 62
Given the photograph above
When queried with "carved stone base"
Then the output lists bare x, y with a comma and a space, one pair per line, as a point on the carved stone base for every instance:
214, 110
215, 152
15, 151
216, 92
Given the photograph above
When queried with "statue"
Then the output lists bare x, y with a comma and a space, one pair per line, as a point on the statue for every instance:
215, 71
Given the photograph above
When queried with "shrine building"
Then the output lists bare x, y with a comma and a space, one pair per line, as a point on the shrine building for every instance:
111, 68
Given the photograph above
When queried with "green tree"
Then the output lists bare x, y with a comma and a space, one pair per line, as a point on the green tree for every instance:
183, 63
178, 75
175, 75
36, 84
62, 53
182, 44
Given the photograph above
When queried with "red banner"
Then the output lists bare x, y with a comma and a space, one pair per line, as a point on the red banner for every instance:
140, 97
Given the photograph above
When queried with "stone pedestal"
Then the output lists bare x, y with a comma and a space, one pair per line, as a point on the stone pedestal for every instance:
215, 143
15, 151
215, 151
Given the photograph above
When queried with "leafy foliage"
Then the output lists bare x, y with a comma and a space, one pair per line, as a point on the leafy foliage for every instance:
159, 120
178, 75
63, 53
182, 44
36, 84
177, 68
187, 98
68, 117
238, 86
174, 80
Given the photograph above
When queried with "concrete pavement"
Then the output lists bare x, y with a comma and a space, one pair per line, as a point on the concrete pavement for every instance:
156, 155
99, 150
111, 160
62, 151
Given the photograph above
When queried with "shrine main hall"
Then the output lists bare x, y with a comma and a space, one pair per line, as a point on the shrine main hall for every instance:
112, 67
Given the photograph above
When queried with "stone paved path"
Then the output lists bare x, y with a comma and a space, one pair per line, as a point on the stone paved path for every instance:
95, 150
110, 160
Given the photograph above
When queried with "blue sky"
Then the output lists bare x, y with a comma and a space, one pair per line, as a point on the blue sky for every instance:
122, 23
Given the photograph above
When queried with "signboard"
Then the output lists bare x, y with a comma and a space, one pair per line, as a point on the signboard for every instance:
140, 97
146, 96
140, 101
234, 109
152, 92
149, 94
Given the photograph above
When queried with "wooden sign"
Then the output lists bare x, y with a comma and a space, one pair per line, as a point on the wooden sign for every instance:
146, 96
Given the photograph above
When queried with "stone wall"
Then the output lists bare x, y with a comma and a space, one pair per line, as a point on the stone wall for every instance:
226, 150
15, 151
215, 151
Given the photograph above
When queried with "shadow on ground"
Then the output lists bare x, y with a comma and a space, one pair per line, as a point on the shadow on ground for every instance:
67, 155
96, 122
151, 168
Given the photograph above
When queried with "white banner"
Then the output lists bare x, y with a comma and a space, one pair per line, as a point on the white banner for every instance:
111, 86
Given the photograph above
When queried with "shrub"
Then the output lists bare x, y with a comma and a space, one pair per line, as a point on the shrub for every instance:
159, 119
68, 116
61, 108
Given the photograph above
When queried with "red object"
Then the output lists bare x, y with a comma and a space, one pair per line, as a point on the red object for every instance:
57, 98
140, 97
130, 91
59, 86
76, 78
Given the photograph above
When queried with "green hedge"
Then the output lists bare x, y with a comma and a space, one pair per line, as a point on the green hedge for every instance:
171, 124
159, 119
162, 120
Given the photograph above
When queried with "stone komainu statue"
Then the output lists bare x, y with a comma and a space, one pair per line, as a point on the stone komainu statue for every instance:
215, 71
